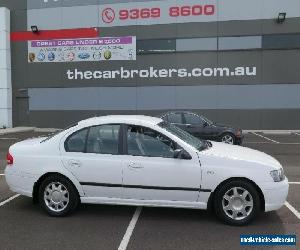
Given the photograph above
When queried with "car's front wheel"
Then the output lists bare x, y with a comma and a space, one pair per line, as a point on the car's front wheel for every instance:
228, 138
58, 196
237, 202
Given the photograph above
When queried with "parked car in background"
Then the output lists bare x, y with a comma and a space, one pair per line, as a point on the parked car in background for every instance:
144, 161
202, 128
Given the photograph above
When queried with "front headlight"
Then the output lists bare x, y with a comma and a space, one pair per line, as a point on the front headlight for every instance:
277, 175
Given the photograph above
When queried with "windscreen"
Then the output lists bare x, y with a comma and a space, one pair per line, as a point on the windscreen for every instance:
183, 135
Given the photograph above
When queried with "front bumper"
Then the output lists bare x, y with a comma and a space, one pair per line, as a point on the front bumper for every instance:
275, 194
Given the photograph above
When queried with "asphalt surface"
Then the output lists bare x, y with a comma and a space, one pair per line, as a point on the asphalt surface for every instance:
24, 225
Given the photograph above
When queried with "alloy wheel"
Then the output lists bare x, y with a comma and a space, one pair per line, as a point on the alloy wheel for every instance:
228, 139
56, 196
237, 203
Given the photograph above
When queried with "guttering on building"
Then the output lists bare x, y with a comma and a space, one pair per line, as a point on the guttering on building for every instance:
235, 61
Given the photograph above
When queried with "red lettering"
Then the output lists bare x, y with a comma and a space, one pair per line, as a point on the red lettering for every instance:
195, 10
174, 11
139, 13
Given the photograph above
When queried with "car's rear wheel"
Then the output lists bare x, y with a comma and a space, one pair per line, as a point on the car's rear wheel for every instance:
237, 202
58, 196
228, 138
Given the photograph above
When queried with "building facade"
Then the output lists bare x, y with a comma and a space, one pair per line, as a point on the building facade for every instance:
234, 61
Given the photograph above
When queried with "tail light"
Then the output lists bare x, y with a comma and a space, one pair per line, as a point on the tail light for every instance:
238, 132
9, 159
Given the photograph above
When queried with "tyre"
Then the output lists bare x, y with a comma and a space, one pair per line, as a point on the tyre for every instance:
228, 138
237, 203
58, 196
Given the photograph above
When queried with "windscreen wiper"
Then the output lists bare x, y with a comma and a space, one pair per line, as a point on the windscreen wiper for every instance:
205, 145
208, 143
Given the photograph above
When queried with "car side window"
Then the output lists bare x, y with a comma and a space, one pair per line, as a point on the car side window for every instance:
142, 141
103, 139
76, 142
174, 118
192, 119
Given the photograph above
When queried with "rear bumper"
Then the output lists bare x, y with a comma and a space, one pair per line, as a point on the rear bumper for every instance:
275, 194
21, 183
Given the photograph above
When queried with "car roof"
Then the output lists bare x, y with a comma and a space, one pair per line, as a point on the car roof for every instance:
130, 119
178, 112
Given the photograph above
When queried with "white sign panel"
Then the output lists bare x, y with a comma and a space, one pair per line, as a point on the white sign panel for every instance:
84, 49
157, 12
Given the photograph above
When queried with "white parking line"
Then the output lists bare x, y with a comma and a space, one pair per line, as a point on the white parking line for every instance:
9, 138
290, 143
266, 142
266, 138
294, 182
277, 132
130, 229
258, 142
270, 142
293, 210
9, 199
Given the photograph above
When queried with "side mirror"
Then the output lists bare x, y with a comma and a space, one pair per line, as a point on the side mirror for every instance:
205, 124
177, 153
181, 154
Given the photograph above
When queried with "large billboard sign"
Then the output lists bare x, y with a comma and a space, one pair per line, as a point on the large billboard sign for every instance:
79, 50
64, 13
157, 12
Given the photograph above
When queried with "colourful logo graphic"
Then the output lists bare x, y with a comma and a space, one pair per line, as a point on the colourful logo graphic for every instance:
84, 55
51, 56
108, 15
41, 57
130, 54
70, 56
97, 56
31, 57
107, 54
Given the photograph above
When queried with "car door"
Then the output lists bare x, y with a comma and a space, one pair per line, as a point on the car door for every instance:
152, 173
92, 155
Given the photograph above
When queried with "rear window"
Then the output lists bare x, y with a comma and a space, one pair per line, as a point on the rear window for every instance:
103, 139
76, 142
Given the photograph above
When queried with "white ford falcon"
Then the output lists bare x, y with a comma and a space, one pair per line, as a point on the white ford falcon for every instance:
144, 161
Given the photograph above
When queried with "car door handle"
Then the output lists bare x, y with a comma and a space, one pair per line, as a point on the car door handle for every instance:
135, 166
74, 163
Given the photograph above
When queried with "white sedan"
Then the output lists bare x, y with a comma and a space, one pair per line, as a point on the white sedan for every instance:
144, 161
